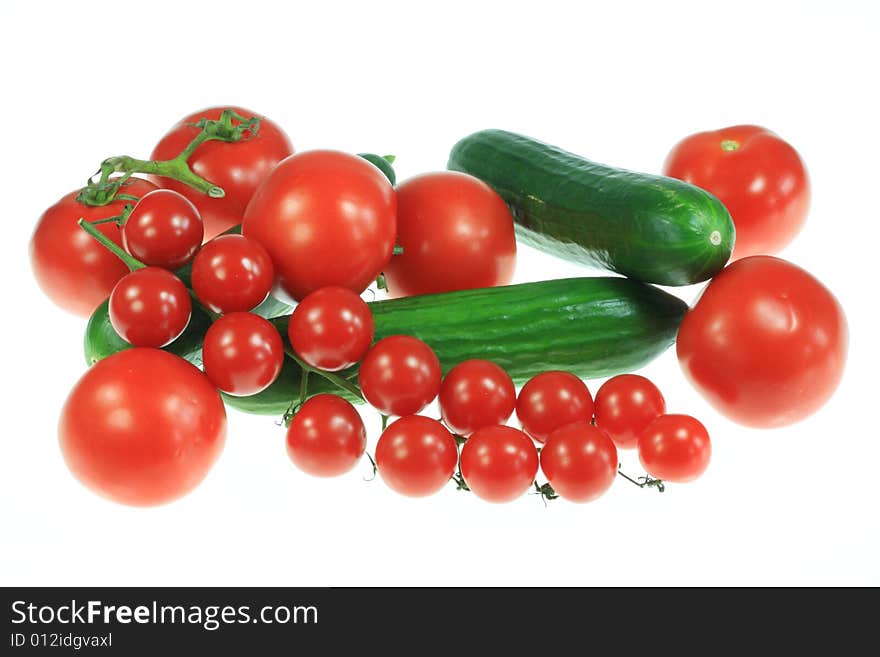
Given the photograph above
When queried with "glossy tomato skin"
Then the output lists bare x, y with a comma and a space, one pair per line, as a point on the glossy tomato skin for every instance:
326, 437
163, 230
72, 269
766, 343
232, 274
150, 307
551, 400
331, 329
326, 218
580, 462
499, 463
400, 375
475, 394
675, 448
759, 177
625, 405
242, 354
142, 427
237, 167
416, 456
456, 233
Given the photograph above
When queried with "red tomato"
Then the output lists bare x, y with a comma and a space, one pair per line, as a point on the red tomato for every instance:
164, 230
416, 456
331, 329
580, 462
242, 354
232, 274
150, 307
238, 167
476, 394
326, 437
400, 375
765, 344
75, 271
456, 234
675, 448
551, 400
625, 405
759, 177
499, 463
142, 427
326, 218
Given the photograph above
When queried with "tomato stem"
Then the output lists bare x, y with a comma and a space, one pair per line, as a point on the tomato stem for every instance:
131, 262
335, 379
545, 491
372, 463
729, 145
646, 481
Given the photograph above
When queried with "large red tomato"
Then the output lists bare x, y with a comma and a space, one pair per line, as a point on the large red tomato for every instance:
238, 167
326, 218
765, 343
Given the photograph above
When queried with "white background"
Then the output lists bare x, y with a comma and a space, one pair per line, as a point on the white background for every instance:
619, 83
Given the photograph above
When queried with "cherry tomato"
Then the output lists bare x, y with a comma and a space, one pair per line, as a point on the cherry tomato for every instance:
765, 344
331, 329
456, 234
150, 307
675, 448
326, 218
499, 463
142, 427
476, 394
242, 354
759, 177
238, 167
232, 274
625, 405
326, 437
416, 456
551, 400
75, 271
580, 461
164, 230
400, 375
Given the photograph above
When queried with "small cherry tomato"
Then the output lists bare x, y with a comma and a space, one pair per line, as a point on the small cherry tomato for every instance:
476, 394
675, 448
242, 354
331, 329
580, 461
416, 456
400, 375
625, 405
150, 307
232, 274
163, 230
499, 463
551, 400
326, 437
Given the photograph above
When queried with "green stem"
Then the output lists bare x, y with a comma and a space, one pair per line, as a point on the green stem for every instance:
335, 379
177, 169
131, 262
646, 481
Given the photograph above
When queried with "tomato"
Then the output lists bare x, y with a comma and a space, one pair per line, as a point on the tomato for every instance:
75, 271
499, 463
475, 394
242, 354
400, 375
625, 405
326, 218
238, 167
675, 448
580, 461
142, 427
456, 234
326, 437
150, 307
331, 329
164, 230
765, 344
551, 400
759, 177
232, 274
416, 456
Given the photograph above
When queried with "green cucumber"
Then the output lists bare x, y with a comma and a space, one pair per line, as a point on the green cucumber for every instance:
383, 163
648, 228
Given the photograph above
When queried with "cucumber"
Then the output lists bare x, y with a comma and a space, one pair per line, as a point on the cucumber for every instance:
591, 327
648, 228
383, 163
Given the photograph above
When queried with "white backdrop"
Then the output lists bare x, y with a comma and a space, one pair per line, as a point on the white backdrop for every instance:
620, 83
